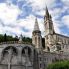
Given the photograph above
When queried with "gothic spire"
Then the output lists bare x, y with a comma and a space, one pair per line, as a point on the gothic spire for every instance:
36, 26
47, 13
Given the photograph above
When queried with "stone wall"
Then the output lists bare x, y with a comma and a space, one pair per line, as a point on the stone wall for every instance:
3, 66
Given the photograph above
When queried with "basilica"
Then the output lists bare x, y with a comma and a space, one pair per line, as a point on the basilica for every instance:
20, 55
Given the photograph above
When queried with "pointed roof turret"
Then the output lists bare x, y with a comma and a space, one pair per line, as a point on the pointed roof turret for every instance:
36, 26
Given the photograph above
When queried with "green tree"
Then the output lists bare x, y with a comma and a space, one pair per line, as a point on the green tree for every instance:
59, 65
27, 39
16, 38
1, 38
10, 38
5, 37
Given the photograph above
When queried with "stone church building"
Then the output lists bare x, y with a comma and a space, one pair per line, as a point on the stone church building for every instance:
19, 55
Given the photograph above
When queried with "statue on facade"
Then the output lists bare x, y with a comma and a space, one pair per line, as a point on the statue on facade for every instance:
20, 38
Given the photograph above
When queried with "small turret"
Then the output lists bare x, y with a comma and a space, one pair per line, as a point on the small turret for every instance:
36, 35
36, 26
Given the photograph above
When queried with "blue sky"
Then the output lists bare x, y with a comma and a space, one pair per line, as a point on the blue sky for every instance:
18, 16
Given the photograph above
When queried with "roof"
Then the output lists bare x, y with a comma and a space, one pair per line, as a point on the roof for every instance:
36, 26
62, 35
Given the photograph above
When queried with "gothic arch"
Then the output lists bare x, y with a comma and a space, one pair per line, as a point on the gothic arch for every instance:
27, 55
5, 50
28, 49
9, 54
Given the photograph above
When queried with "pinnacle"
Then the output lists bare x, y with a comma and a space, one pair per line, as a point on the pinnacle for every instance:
47, 13
36, 26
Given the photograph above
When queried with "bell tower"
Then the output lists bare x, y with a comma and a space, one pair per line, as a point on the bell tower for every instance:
36, 36
49, 30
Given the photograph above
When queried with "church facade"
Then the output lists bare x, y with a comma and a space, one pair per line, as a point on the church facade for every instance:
19, 55
56, 45
54, 41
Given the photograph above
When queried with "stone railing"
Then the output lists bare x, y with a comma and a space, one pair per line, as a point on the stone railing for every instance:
15, 42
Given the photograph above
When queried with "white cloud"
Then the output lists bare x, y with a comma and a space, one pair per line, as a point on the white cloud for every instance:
56, 12
1, 30
40, 4
28, 22
13, 29
65, 20
65, 2
8, 14
40, 13
57, 26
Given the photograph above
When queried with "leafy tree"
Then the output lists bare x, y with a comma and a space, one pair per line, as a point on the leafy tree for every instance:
10, 38
59, 65
16, 38
1, 38
5, 37
27, 39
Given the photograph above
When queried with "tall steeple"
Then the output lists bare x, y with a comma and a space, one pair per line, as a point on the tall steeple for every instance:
36, 36
49, 29
47, 13
36, 26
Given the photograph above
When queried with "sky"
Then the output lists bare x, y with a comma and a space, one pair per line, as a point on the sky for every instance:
18, 16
